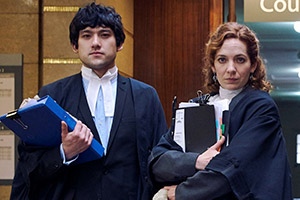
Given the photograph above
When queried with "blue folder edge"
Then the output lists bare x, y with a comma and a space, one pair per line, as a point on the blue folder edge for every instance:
38, 123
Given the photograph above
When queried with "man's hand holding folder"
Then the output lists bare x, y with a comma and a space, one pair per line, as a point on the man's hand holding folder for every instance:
77, 141
39, 123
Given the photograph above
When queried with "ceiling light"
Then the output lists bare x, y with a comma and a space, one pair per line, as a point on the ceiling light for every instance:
297, 26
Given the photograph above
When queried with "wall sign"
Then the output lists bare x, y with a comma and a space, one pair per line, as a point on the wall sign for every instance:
11, 95
271, 10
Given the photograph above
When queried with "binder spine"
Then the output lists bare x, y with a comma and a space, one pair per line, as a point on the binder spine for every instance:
96, 148
63, 115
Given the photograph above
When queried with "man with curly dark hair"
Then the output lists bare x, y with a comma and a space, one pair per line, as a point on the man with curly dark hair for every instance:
123, 114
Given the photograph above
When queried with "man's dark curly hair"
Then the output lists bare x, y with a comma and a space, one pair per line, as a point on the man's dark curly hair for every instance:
94, 15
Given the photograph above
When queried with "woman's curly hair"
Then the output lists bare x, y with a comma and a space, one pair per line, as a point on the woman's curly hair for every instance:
243, 33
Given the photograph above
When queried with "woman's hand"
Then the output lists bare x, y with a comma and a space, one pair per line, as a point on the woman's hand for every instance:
171, 191
204, 158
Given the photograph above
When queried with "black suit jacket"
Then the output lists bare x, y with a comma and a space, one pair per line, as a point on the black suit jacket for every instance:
137, 126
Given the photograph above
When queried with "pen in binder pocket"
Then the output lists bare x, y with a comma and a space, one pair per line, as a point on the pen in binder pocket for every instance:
221, 131
174, 106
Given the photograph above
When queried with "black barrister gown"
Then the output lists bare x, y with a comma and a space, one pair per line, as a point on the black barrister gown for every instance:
138, 124
253, 166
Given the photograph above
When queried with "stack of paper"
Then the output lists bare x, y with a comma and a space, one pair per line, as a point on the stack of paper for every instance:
195, 127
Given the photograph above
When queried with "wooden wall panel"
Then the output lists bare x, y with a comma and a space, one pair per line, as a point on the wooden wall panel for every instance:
169, 37
215, 14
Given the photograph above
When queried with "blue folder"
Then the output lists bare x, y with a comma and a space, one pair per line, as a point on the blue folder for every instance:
39, 123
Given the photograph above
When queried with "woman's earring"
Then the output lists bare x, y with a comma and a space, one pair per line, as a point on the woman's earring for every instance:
214, 77
251, 76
